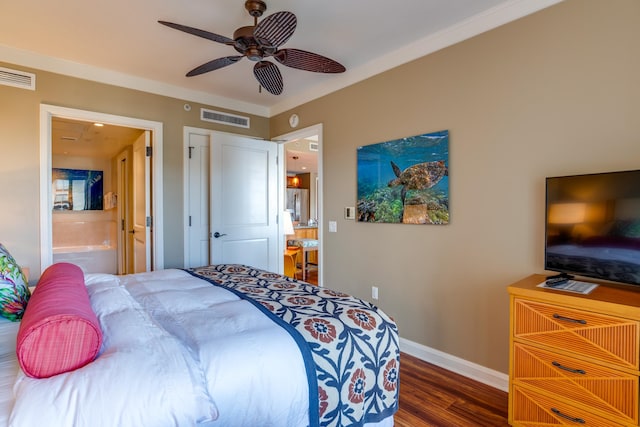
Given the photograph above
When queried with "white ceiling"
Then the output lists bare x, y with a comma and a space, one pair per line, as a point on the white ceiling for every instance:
84, 139
120, 41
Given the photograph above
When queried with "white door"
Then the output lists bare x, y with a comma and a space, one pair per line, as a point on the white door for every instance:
141, 205
244, 201
197, 203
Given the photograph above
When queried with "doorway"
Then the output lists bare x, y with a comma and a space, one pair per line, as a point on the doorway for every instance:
303, 153
153, 130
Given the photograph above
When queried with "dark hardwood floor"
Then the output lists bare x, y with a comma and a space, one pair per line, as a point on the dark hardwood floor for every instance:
311, 276
433, 396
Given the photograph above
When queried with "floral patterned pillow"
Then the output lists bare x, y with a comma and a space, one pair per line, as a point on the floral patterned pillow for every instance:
14, 291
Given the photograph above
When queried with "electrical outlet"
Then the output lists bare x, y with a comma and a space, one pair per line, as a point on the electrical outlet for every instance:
374, 292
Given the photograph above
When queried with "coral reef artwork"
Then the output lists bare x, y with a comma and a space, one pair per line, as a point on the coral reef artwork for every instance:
405, 180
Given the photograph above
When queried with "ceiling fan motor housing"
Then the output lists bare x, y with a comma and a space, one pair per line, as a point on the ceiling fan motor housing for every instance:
246, 44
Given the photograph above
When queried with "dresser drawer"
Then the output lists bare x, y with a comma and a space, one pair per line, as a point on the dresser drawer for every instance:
610, 393
532, 409
609, 339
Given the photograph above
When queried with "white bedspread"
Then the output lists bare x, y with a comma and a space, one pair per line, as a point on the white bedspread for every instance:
177, 351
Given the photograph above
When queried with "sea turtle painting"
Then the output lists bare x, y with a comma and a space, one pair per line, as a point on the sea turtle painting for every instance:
418, 177
405, 180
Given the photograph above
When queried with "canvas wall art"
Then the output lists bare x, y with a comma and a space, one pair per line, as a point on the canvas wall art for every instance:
405, 180
77, 189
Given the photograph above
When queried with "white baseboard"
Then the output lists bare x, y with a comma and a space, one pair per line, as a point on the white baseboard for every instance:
455, 364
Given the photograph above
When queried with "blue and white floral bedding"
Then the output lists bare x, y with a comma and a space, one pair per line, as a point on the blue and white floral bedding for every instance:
350, 348
179, 350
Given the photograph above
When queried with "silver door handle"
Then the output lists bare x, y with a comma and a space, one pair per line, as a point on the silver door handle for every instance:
216, 235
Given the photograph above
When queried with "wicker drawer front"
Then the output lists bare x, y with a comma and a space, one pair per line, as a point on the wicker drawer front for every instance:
532, 409
610, 393
610, 339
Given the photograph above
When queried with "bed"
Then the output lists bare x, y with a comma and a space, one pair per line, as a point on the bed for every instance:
221, 345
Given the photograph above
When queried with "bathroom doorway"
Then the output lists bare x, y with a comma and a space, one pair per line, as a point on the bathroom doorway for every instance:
97, 237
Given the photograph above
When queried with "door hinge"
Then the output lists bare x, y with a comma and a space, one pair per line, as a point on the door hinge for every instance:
190, 151
189, 220
149, 221
149, 150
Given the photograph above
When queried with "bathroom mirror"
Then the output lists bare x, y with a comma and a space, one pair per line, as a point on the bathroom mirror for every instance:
77, 189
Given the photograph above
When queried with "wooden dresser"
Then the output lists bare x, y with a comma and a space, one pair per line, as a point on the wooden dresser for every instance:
574, 359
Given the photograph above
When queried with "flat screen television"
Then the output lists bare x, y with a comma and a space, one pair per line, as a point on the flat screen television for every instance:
593, 226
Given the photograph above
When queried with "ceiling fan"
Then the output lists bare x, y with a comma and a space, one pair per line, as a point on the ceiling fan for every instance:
260, 41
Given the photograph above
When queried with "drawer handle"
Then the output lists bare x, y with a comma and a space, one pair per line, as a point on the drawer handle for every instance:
569, 319
575, 371
567, 417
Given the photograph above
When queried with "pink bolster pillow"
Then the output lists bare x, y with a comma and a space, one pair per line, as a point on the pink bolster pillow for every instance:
59, 331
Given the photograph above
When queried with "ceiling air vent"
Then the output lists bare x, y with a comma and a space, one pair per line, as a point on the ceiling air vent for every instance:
16, 78
224, 118
313, 146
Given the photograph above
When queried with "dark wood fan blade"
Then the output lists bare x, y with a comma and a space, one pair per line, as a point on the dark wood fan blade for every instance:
214, 65
269, 76
308, 61
276, 29
200, 33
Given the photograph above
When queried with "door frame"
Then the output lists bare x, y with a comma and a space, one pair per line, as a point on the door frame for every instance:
47, 113
282, 140
186, 131
122, 191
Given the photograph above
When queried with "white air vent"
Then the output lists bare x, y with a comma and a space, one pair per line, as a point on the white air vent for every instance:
16, 78
224, 118
313, 146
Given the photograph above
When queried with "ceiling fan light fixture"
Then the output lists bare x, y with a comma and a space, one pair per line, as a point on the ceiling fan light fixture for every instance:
254, 54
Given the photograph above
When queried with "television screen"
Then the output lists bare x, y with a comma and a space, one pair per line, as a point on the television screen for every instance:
593, 226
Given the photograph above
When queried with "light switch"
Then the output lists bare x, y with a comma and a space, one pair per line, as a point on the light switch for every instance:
333, 227
349, 212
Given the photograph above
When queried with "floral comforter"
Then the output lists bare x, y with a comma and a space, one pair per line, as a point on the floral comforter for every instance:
350, 348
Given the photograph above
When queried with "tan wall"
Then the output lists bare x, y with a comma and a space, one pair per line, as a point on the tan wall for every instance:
19, 148
554, 93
